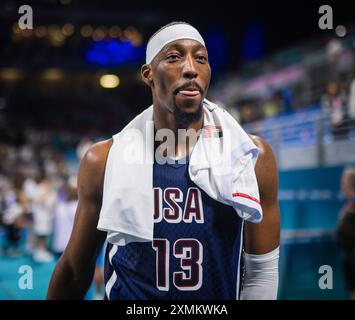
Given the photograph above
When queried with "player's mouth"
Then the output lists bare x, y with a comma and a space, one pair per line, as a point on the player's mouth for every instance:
189, 93
189, 90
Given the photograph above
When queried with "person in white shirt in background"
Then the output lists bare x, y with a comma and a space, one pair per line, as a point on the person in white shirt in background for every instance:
30, 187
64, 217
334, 105
43, 212
13, 219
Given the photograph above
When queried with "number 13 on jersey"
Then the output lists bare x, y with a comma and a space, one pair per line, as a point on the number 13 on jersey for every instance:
190, 253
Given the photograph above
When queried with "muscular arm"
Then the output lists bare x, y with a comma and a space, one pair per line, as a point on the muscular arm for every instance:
261, 241
260, 238
74, 271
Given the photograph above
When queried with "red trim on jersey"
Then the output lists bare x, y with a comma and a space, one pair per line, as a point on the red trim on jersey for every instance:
238, 194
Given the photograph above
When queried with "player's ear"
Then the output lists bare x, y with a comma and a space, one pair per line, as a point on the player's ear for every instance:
147, 76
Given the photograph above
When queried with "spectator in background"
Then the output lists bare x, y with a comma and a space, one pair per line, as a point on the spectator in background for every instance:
274, 106
247, 113
334, 105
346, 229
287, 103
352, 97
43, 211
30, 188
14, 221
64, 217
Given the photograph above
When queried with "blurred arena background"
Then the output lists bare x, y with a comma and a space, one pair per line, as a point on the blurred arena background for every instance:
74, 79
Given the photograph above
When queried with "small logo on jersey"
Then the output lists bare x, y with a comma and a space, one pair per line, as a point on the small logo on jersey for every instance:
211, 131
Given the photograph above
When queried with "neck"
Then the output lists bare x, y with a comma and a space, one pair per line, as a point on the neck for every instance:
164, 119
183, 145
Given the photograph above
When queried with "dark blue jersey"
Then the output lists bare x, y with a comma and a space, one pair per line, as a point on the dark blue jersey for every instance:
196, 249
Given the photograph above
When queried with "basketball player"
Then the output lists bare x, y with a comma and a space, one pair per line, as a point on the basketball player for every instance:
179, 76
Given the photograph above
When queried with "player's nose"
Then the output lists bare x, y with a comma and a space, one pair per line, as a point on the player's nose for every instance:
189, 68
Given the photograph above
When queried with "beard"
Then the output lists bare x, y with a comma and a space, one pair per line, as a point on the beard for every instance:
183, 119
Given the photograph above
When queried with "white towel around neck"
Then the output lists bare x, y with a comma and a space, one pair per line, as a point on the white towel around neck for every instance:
223, 167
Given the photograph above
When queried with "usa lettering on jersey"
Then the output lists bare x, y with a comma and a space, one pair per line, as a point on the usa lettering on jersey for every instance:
176, 212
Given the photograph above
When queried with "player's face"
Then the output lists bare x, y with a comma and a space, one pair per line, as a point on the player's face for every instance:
181, 76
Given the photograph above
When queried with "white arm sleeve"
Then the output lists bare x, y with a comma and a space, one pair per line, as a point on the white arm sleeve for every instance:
261, 276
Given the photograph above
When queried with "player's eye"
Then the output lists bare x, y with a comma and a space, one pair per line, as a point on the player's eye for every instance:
201, 58
172, 57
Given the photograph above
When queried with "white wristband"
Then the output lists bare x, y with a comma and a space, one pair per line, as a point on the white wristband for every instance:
261, 276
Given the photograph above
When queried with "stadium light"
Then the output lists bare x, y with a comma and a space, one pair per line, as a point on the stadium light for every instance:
109, 81
10, 74
53, 74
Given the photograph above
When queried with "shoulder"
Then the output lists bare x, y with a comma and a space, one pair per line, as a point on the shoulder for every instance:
266, 166
92, 168
97, 154
266, 155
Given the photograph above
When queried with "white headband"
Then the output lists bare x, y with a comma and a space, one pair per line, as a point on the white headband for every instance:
170, 34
